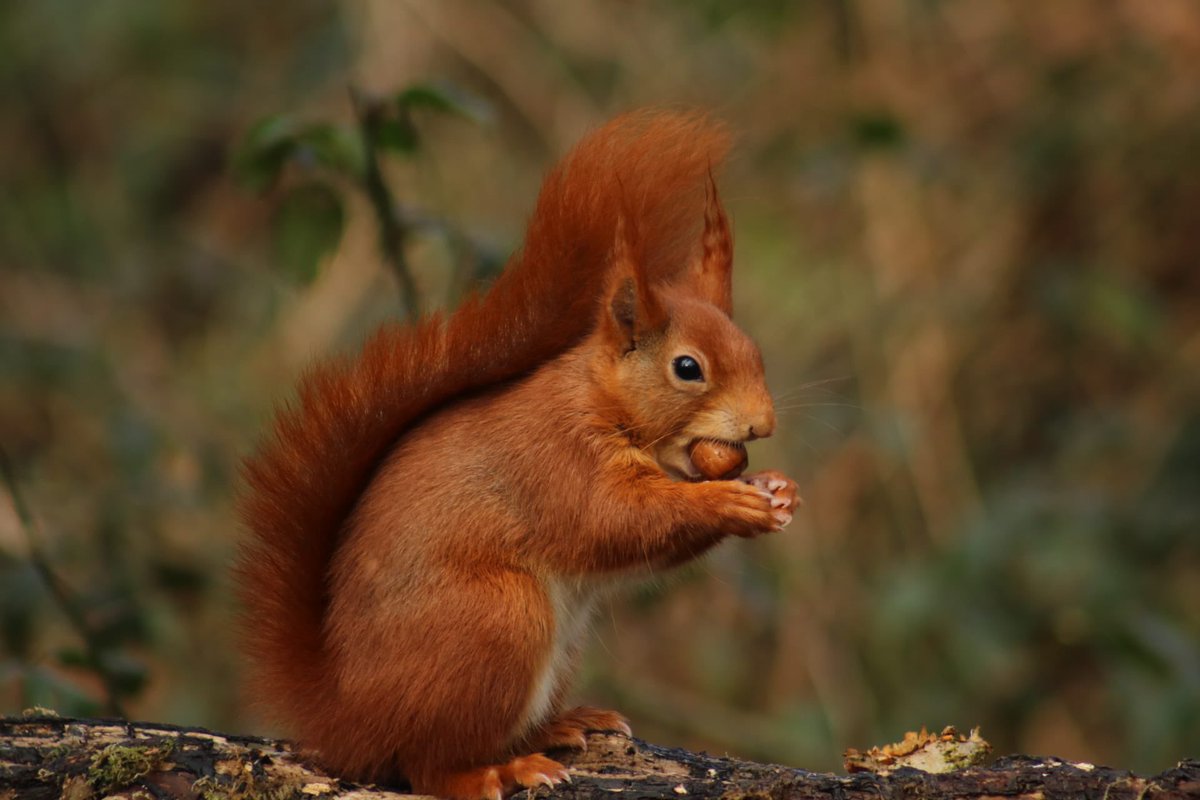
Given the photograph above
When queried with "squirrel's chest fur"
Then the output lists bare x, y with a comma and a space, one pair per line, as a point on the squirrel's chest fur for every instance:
573, 602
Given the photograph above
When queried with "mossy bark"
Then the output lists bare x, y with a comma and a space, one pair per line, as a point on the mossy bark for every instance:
52, 758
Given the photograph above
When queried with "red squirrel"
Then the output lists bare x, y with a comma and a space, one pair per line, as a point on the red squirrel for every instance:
433, 520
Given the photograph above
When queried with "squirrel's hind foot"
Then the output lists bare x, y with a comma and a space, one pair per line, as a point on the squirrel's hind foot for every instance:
499, 781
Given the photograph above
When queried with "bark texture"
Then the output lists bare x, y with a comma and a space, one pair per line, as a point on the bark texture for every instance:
52, 757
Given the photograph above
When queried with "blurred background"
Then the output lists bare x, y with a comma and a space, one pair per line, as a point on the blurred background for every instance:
966, 241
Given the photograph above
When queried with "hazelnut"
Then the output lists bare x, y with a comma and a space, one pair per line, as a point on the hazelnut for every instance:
718, 460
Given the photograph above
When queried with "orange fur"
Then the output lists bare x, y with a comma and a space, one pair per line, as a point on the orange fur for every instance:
433, 519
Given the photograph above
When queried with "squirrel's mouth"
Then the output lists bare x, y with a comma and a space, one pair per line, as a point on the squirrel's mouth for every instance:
677, 456
730, 445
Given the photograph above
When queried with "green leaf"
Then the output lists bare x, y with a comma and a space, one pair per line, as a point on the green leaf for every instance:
446, 99
278, 139
47, 688
261, 156
395, 133
127, 674
878, 131
21, 594
74, 657
308, 226
331, 146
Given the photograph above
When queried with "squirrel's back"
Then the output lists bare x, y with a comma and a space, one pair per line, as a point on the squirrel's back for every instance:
305, 478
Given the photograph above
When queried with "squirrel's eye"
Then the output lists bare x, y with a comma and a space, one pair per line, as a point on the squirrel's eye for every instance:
687, 369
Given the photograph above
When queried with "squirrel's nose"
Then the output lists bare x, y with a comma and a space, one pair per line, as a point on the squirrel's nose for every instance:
763, 426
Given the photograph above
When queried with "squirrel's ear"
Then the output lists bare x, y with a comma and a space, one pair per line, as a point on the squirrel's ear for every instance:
633, 310
712, 277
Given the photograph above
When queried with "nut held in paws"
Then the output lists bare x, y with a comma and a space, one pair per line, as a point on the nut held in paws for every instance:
718, 460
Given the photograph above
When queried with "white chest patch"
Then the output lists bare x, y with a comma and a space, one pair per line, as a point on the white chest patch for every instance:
574, 600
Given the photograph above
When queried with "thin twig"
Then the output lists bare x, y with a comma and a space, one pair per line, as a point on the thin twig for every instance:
59, 590
392, 233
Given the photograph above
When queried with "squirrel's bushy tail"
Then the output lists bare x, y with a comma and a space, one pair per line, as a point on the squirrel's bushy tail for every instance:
302, 483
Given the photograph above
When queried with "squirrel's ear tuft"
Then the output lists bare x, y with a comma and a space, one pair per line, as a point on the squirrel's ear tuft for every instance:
712, 277
633, 309
623, 305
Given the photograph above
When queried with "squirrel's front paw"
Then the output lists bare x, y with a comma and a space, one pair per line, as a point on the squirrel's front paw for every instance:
785, 498
745, 509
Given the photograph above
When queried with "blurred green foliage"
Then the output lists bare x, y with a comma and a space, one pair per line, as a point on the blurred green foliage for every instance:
965, 242
309, 217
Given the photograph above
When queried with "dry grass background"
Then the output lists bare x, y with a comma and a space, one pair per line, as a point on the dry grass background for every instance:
966, 242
